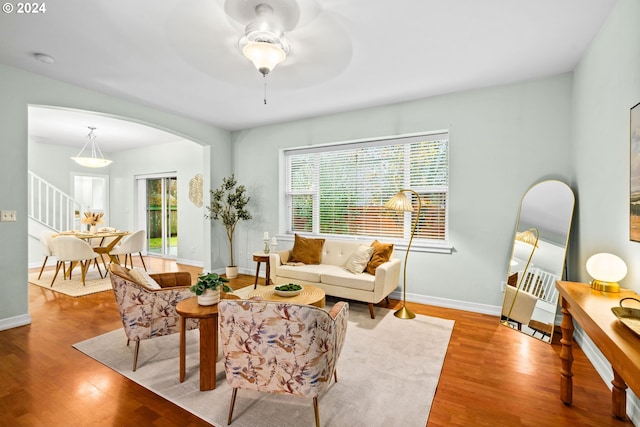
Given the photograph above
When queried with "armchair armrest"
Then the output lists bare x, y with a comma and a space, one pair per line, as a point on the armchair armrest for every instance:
387, 278
340, 314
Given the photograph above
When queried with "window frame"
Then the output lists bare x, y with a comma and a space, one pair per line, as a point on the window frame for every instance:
418, 244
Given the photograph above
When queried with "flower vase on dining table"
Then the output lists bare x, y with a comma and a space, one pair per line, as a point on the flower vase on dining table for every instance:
92, 229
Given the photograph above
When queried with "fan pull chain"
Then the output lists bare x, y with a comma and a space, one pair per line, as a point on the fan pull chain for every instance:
265, 89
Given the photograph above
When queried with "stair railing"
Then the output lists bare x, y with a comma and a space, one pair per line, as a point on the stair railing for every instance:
51, 206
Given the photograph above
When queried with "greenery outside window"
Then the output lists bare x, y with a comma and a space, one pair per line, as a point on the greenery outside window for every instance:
339, 190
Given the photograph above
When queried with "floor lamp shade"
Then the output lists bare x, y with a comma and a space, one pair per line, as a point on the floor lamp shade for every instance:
400, 202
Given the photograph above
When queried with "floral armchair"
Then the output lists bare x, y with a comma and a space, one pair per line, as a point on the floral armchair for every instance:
147, 303
281, 348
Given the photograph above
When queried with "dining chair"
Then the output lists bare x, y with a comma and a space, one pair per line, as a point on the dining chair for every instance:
46, 243
129, 245
73, 250
281, 348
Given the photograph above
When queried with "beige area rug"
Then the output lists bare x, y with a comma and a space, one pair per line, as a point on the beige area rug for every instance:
72, 287
388, 373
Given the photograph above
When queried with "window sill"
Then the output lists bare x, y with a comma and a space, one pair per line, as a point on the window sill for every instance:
438, 248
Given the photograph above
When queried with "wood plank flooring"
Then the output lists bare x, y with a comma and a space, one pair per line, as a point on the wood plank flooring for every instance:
492, 376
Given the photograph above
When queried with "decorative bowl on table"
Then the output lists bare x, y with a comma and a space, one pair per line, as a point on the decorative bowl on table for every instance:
289, 290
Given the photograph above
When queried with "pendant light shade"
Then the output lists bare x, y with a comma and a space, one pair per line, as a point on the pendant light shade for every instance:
94, 158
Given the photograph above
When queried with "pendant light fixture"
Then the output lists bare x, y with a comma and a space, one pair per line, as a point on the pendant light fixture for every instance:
96, 159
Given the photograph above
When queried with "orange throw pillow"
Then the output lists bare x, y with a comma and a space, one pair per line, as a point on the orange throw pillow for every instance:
381, 254
307, 251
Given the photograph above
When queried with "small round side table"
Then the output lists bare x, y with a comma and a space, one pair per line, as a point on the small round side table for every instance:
261, 257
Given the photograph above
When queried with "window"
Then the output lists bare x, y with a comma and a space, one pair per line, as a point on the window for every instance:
340, 190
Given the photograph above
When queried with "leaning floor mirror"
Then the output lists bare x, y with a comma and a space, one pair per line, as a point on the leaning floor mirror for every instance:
538, 259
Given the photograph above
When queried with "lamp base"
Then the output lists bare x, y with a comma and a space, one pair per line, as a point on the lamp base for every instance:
404, 313
603, 286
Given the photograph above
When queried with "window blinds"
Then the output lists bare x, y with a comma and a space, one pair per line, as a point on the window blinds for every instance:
341, 189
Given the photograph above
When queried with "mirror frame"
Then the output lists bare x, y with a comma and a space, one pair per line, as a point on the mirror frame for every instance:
533, 294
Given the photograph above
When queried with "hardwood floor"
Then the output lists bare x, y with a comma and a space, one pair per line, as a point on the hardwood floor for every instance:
492, 376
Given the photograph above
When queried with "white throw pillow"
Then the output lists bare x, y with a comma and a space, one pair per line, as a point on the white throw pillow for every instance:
142, 277
359, 259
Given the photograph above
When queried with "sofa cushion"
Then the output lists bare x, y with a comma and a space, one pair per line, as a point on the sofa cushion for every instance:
308, 251
307, 273
359, 259
339, 276
381, 254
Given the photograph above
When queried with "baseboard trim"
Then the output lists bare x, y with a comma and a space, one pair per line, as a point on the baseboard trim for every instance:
190, 262
14, 322
603, 367
492, 310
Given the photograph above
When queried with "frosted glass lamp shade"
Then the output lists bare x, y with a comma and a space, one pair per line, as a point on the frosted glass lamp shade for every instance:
607, 270
92, 162
265, 56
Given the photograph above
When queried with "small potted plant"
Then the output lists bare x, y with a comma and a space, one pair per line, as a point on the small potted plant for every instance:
207, 288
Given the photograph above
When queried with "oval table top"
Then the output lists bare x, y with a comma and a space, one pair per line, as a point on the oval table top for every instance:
310, 295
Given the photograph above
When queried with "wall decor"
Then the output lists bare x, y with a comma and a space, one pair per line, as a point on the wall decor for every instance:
634, 185
195, 190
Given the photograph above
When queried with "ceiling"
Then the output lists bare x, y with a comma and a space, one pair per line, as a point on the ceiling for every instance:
183, 57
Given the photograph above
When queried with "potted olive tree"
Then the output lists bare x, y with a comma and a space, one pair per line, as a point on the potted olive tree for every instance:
207, 288
229, 206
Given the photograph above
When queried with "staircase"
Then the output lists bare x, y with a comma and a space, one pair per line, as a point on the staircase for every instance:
51, 207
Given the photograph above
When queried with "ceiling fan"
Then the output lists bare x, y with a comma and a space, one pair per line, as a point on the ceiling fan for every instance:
307, 40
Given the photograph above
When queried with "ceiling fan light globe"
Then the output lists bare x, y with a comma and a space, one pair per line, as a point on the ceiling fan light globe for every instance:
264, 56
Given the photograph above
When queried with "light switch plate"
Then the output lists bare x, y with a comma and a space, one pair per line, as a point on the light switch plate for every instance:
8, 216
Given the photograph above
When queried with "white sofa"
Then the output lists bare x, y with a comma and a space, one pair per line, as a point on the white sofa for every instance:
332, 276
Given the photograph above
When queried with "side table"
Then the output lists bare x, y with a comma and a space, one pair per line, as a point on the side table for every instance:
208, 316
261, 257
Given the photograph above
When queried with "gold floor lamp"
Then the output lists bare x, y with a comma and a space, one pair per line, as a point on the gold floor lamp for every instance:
530, 237
401, 203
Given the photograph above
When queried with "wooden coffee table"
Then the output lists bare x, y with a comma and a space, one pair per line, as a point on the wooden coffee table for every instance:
208, 315
310, 295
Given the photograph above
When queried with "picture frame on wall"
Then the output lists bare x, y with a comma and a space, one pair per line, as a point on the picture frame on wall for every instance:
634, 184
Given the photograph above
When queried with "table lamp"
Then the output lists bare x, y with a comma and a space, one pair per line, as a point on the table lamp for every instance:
607, 270
401, 203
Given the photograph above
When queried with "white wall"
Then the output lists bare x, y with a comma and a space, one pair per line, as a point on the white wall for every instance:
502, 141
185, 158
606, 85
19, 89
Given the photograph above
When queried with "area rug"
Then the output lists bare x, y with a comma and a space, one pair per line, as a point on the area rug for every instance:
72, 287
388, 373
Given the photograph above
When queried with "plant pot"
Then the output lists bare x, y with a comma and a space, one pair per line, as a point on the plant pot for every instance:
209, 297
232, 272
92, 229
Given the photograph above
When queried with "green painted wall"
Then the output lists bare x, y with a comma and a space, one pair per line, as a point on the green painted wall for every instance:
18, 89
502, 141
